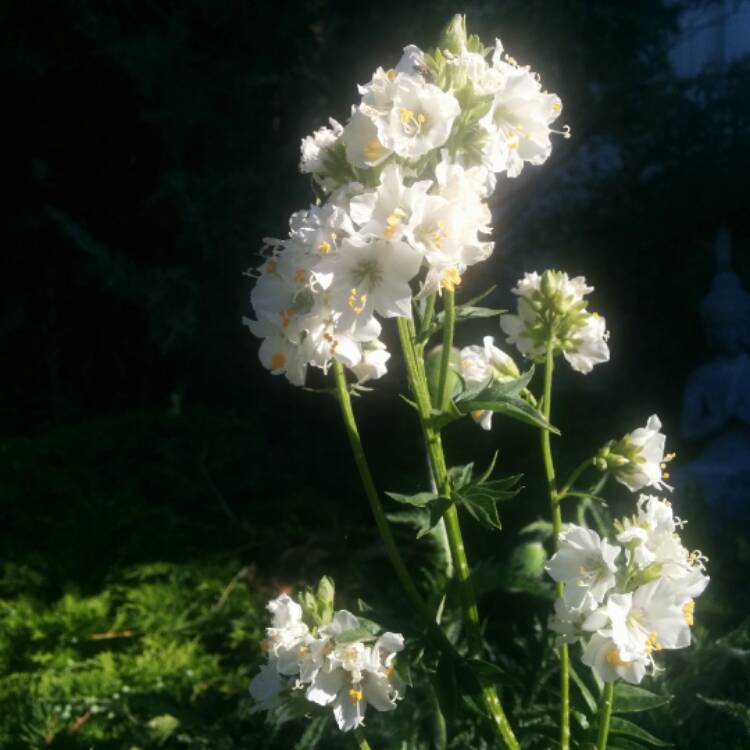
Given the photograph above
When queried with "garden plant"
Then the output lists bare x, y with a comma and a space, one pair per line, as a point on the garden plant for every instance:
400, 217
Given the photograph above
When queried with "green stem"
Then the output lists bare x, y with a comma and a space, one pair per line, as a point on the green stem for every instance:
568, 486
605, 713
362, 743
429, 314
554, 499
347, 412
449, 320
418, 382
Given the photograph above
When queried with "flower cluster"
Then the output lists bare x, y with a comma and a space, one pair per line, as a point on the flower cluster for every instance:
403, 211
627, 606
637, 459
339, 664
552, 312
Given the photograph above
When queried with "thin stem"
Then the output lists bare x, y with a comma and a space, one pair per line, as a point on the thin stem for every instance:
418, 382
549, 468
449, 320
563, 493
374, 499
362, 743
429, 314
605, 713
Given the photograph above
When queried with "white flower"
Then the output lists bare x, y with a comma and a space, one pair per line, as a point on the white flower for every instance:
277, 352
588, 347
314, 148
568, 621
363, 147
266, 687
373, 363
482, 365
391, 211
637, 459
601, 653
420, 119
585, 563
327, 340
518, 123
651, 534
369, 277
356, 674
286, 634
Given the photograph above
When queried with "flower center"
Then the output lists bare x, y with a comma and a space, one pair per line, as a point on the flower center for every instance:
355, 696
413, 123
373, 149
278, 361
614, 658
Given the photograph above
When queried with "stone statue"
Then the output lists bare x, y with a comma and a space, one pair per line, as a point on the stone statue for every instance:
716, 411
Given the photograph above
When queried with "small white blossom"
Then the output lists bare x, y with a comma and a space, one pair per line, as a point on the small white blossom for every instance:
314, 149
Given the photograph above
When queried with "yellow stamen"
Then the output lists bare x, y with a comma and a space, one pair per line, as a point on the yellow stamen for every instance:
391, 74
687, 612
421, 119
477, 414
397, 215
389, 673
513, 145
450, 279
324, 247
373, 150
302, 650
278, 361
556, 106
406, 115
300, 276
357, 302
355, 695
652, 644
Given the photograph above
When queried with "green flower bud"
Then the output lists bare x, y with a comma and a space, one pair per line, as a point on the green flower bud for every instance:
453, 37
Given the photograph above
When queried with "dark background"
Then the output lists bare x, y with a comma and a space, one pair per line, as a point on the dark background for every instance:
150, 146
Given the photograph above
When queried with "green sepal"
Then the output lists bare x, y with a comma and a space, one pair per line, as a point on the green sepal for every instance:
367, 630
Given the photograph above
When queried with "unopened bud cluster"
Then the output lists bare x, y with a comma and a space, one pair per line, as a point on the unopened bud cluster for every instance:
552, 312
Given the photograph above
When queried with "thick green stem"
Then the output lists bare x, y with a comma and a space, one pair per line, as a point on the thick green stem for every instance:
449, 321
605, 713
554, 500
429, 314
418, 382
359, 737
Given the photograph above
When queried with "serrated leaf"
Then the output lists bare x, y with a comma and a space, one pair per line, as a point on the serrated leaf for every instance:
460, 476
418, 500
737, 711
496, 391
631, 699
437, 511
483, 510
629, 729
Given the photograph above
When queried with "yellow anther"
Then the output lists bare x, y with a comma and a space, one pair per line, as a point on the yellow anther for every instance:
357, 302
395, 218
556, 106
687, 612
513, 145
450, 279
652, 643
421, 118
477, 413
373, 150
300, 276
302, 650
324, 247
278, 361
389, 673
665, 475
614, 658
355, 695
406, 115
391, 74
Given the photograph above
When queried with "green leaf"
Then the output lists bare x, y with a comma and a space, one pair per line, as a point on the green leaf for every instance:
631, 699
629, 729
419, 500
481, 498
737, 711
485, 475
460, 476
483, 510
485, 669
512, 407
585, 692
162, 727
437, 511
367, 630
496, 391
